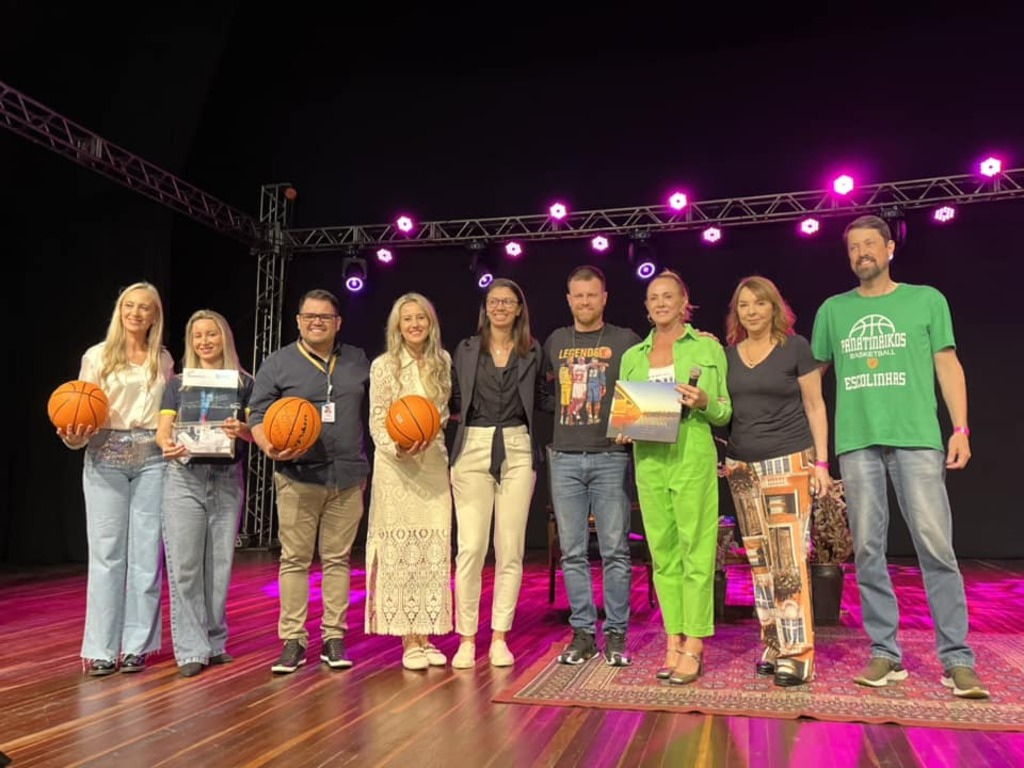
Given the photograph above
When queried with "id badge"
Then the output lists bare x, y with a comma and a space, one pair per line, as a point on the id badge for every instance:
327, 413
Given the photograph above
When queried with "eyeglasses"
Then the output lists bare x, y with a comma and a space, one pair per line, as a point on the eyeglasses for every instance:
309, 317
493, 303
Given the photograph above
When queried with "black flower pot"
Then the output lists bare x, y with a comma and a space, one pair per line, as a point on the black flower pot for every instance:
826, 593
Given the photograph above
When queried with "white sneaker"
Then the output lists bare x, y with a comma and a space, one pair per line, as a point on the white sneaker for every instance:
465, 657
415, 659
434, 656
500, 655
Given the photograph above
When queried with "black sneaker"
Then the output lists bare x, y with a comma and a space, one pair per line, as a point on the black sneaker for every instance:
221, 658
100, 667
333, 654
581, 649
133, 662
615, 650
292, 657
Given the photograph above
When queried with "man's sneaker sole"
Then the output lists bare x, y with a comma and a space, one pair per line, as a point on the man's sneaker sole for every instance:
977, 692
617, 660
284, 669
894, 676
337, 663
576, 660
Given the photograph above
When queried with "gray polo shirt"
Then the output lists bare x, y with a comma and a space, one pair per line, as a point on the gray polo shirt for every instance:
337, 459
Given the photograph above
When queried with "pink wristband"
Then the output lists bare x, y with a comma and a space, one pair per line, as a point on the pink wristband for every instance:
965, 431
822, 464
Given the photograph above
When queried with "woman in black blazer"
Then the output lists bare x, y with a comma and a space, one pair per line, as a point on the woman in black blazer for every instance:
496, 384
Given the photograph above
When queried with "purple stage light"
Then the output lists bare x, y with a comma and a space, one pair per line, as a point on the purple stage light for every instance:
599, 243
944, 214
513, 249
990, 166
645, 269
809, 226
711, 235
484, 279
843, 185
558, 211
404, 224
354, 284
385, 256
677, 201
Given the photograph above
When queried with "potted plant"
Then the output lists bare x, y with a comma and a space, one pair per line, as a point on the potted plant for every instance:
831, 546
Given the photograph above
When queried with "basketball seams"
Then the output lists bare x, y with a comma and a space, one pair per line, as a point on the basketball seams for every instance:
296, 415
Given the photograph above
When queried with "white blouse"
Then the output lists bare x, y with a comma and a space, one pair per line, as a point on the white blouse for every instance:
134, 400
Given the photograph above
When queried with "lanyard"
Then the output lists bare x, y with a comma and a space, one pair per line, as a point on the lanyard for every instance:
328, 369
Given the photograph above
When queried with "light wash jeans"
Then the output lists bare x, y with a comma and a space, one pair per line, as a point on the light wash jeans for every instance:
919, 477
202, 504
593, 483
123, 480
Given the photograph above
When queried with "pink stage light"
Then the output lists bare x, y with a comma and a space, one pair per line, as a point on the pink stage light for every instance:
711, 235
944, 214
558, 211
810, 226
677, 201
599, 243
404, 224
385, 256
513, 249
843, 185
990, 166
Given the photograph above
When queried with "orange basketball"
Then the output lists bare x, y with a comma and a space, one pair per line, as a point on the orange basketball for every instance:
292, 423
78, 402
411, 419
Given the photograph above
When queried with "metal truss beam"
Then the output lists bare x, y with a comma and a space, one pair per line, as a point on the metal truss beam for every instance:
736, 211
257, 530
40, 124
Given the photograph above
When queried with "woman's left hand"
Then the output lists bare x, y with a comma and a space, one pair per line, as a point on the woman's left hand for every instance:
694, 398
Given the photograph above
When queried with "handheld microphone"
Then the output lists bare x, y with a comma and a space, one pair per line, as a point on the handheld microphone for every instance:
694, 375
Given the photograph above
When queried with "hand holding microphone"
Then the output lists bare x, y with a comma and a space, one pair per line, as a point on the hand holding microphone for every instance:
692, 396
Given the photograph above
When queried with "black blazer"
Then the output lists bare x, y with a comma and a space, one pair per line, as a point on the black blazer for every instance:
532, 391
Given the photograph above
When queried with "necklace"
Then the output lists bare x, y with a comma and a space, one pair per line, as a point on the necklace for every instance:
750, 360
600, 336
498, 349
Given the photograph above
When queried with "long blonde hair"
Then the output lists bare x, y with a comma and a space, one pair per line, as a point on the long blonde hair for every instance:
437, 371
115, 353
229, 360
783, 318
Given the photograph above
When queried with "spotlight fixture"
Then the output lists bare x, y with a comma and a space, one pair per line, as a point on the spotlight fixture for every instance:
513, 249
404, 224
385, 255
558, 211
893, 216
990, 166
843, 185
711, 235
944, 214
482, 273
353, 271
677, 201
809, 226
599, 243
640, 254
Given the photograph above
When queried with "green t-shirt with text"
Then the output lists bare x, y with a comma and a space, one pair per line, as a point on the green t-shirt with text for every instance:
882, 350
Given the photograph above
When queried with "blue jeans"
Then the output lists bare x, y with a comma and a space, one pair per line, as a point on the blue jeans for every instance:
584, 484
919, 477
202, 503
122, 480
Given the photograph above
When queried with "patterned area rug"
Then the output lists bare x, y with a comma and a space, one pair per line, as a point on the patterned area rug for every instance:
730, 687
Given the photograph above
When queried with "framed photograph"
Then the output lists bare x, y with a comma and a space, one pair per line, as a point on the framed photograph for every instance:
645, 410
208, 397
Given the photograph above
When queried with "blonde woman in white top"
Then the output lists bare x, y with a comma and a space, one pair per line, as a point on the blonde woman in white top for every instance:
408, 543
123, 484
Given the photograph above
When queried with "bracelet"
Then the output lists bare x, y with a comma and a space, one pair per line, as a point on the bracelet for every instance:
965, 431
822, 464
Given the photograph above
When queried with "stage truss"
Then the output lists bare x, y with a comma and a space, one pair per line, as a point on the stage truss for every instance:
273, 241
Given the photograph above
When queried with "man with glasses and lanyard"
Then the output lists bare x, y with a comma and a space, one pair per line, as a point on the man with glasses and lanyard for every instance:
321, 488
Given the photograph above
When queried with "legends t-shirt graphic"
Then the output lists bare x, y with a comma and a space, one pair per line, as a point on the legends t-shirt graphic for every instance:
871, 338
582, 378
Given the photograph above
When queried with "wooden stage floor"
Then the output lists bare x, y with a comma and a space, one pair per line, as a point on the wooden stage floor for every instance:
377, 714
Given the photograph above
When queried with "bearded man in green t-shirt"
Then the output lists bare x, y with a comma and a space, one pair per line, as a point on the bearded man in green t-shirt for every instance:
889, 342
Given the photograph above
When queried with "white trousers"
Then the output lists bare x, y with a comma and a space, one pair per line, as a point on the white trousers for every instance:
478, 497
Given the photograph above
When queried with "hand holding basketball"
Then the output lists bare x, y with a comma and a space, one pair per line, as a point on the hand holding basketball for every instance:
78, 409
292, 424
412, 419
